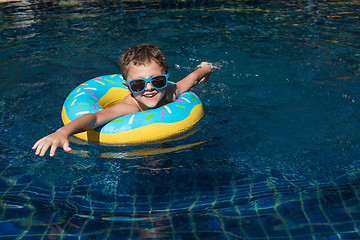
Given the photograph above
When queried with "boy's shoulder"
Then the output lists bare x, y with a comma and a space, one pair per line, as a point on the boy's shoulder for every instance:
171, 94
130, 101
127, 106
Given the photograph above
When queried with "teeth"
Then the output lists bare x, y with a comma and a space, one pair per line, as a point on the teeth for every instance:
150, 95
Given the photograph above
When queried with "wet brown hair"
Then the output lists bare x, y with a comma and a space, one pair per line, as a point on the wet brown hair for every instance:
140, 55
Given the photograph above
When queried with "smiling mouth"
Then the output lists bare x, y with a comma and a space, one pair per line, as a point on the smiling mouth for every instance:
150, 95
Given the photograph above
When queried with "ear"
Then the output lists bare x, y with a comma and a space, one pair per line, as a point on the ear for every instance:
127, 86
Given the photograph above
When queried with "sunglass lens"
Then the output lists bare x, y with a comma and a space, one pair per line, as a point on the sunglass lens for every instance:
159, 82
137, 86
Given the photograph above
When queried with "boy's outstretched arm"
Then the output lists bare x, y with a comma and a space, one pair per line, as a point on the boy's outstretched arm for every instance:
60, 137
202, 74
83, 123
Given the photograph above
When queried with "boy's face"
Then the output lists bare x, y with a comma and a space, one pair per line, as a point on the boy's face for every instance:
150, 97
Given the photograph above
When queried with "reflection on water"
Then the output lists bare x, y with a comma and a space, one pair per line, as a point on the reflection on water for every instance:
275, 155
132, 152
138, 153
149, 151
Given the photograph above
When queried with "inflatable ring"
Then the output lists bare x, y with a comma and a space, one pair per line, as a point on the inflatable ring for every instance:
148, 126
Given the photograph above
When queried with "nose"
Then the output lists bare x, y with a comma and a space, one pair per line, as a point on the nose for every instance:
149, 87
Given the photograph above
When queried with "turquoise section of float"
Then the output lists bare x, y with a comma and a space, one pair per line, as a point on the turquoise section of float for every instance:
100, 92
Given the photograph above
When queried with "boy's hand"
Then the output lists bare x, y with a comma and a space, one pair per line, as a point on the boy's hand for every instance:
52, 141
207, 76
211, 65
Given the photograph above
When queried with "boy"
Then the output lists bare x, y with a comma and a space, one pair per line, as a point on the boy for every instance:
145, 71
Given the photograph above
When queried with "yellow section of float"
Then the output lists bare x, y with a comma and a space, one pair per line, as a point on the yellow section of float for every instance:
114, 96
147, 134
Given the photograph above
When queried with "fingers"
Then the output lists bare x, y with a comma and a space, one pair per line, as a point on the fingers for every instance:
36, 145
41, 147
202, 64
53, 150
66, 146
53, 143
213, 66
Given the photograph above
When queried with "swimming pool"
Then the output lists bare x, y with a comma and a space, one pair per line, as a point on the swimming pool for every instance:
276, 155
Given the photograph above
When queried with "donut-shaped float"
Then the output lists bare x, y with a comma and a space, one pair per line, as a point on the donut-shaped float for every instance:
149, 126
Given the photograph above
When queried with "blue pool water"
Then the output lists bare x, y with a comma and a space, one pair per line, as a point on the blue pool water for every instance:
276, 155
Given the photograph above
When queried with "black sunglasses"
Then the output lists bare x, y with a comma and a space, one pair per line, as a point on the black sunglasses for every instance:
139, 84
